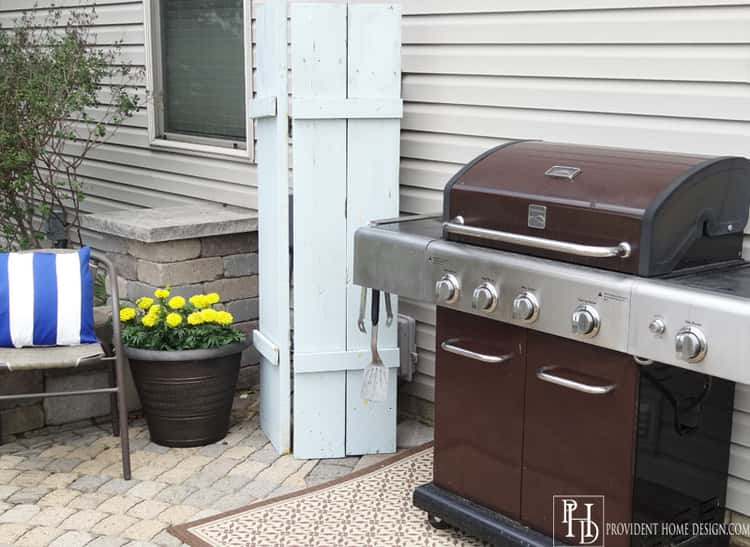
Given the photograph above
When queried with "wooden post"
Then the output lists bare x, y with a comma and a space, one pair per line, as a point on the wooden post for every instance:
346, 108
272, 339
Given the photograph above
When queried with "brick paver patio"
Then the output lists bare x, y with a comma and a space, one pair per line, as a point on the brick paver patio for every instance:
63, 486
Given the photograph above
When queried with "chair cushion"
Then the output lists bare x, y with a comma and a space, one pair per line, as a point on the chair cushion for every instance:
46, 299
49, 357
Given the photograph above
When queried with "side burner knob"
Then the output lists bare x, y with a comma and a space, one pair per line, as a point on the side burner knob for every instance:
585, 321
525, 307
690, 345
657, 326
446, 289
484, 298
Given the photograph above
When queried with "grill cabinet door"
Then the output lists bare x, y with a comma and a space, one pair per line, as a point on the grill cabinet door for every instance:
479, 411
578, 443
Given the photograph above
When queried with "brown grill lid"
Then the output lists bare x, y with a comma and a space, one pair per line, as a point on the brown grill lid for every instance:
670, 211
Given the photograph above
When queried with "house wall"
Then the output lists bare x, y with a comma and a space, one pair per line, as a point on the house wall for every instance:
122, 174
660, 74
127, 172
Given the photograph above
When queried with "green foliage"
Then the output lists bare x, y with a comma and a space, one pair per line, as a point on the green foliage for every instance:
59, 97
180, 338
177, 327
100, 289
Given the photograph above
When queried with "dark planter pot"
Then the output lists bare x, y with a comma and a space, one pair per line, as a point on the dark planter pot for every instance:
186, 395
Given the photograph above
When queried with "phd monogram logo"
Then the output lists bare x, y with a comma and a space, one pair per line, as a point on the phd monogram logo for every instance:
579, 520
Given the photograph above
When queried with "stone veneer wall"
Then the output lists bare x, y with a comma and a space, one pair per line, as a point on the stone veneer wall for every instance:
226, 264
192, 249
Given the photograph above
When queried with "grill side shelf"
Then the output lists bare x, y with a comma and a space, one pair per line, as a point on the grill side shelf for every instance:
718, 314
391, 257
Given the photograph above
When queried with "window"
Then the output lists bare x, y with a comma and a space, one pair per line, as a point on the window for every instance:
198, 74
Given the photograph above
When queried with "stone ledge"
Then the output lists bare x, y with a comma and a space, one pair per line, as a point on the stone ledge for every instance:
180, 273
172, 223
165, 251
234, 288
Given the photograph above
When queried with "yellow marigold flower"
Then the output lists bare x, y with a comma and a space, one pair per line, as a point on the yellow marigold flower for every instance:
224, 318
126, 314
199, 301
154, 310
208, 315
177, 302
148, 320
173, 319
144, 302
212, 297
194, 318
161, 293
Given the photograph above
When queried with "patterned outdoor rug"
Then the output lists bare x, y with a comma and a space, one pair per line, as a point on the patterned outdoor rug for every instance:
371, 507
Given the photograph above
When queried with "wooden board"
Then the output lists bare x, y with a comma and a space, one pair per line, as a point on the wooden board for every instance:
372, 193
273, 219
319, 160
353, 360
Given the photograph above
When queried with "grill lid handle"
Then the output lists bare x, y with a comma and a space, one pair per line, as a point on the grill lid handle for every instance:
458, 227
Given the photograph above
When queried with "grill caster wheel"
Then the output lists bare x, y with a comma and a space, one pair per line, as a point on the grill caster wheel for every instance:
437, 523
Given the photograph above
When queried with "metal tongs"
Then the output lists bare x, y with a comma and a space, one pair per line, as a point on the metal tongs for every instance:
363, 307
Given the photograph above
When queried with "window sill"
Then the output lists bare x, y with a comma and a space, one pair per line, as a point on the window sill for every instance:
202, 150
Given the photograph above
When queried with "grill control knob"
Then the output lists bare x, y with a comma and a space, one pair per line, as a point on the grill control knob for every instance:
446, 289
585, 321
690, 345
484, 298
657, 326
525, 307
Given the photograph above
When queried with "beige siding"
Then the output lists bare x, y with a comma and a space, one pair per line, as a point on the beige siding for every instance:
127, 171
660, 74
667, 75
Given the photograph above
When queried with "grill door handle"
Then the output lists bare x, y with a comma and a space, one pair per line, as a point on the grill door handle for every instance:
544, 375
622, 249
451, 347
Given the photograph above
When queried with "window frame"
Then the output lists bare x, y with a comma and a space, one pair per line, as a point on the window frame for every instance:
203, 146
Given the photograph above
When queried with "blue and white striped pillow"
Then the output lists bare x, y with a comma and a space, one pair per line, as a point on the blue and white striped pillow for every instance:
46, 299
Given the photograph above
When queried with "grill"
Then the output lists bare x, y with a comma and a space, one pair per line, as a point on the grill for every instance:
589, 301
629, 211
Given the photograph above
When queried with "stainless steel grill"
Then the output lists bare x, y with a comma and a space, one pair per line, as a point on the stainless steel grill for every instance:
667, 316
583, 293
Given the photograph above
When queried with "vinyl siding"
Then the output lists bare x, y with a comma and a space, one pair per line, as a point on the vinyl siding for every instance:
127, 172
668, 75
663, 74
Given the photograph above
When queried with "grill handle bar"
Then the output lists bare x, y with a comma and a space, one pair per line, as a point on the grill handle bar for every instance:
407, 218
451, 347
544, 375
458, 227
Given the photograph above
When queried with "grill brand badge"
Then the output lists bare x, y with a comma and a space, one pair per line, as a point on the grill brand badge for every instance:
537, 217
578, 520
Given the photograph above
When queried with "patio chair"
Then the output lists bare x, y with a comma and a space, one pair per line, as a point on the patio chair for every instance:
101, 352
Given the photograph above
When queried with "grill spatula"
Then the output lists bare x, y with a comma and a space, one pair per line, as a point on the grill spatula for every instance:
375, 377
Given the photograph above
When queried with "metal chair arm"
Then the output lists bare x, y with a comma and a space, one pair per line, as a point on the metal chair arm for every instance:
112, 275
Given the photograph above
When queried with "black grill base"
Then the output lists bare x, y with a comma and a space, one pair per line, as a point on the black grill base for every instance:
477, 520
